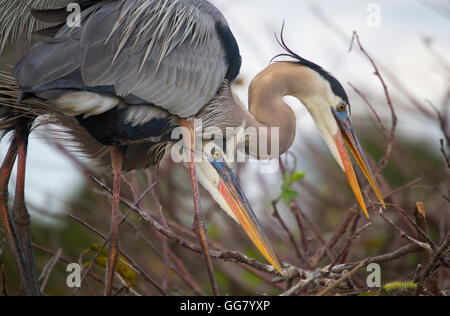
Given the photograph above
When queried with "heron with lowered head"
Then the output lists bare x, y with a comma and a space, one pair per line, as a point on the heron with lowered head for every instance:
134, 71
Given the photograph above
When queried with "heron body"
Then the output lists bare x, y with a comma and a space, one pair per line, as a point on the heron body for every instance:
137, 69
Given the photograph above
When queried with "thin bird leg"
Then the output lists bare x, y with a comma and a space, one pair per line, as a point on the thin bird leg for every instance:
8, 228
21, 217
198, 225
117, 157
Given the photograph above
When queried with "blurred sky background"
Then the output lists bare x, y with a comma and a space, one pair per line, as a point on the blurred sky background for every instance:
396, 40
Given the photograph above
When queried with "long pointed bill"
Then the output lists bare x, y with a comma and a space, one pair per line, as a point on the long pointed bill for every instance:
230, 190
347, 135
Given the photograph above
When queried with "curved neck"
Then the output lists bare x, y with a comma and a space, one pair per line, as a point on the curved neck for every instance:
266, 94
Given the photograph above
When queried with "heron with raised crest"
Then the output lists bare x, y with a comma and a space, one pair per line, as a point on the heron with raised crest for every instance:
133, 72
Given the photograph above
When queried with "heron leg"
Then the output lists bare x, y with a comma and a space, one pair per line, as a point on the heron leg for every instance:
198, 225
117, 157
8, 228
21, 217
25, 263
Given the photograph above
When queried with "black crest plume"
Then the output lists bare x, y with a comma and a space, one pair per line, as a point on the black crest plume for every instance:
336, 87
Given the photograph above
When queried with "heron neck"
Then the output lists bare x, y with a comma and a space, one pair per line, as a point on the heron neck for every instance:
266, 103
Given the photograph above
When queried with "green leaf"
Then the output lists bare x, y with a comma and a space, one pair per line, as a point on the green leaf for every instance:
287, 178
122, 268
287, 193
297, 176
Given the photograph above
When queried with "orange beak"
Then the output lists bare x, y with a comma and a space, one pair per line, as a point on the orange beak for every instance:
347, 135
230, 190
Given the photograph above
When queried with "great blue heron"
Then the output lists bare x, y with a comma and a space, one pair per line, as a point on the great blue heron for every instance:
136, 69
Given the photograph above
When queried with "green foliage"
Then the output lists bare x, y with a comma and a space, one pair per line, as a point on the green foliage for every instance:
398, 287
122, 267
287, 193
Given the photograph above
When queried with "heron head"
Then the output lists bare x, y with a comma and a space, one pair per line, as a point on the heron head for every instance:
215, 173
330, 109
327, 102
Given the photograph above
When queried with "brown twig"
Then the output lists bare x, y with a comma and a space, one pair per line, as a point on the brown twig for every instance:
342, 278
304, 239
289, 271
372, 109
391, 135
177, 265
335, 238
163, 239
402, 188
420, 231
436, 257
394, 255
61, 259
403, 234
277, 216
45, 275
301, 284
342, 256
421, 221
133, 264
445, 154
353, 235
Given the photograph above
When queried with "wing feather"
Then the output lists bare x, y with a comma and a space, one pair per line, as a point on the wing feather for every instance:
166, 52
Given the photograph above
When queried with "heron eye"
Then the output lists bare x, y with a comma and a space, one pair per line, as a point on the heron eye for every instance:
217, 154
341, 107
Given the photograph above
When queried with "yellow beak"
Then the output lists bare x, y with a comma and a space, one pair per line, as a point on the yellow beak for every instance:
347, 136
230, 190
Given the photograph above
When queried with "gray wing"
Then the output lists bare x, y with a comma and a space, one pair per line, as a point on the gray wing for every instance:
171, 53
17, 27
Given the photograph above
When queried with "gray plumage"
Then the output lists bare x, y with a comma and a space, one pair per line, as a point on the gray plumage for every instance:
17, 27
152, 52
166, 52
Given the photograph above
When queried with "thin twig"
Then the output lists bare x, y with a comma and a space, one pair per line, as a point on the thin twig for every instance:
342, 278
391, 135
372, 109
419, 230
394, 255
134, 266
445, 154
67, 261
335, 238
162, 238
403, 234
436, 257
225, 255
402, 188
276, 214
304, 240
48, 269
177, 266
301, 284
